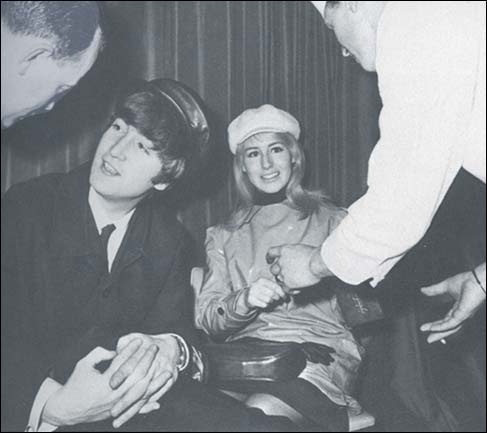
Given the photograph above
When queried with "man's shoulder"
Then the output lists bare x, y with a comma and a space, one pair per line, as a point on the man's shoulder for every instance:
34, 192
45, 185
39, 195
165, 221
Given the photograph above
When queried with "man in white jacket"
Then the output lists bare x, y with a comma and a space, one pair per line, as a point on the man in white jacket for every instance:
430, 62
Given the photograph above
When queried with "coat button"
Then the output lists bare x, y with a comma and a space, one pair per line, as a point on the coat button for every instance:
106, 293
220, 311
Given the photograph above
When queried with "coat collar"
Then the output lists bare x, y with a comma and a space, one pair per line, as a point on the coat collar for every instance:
78, 235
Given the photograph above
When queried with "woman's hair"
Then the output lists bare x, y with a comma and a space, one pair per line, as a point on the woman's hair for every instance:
306, 202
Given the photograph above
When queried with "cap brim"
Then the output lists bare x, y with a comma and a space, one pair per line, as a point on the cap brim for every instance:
190, 107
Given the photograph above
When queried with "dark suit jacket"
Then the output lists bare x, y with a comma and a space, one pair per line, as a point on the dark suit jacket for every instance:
58, 300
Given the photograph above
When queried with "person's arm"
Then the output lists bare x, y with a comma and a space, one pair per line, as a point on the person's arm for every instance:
220, 310
427, 92
172, 309
169, 326
169, 312
24, 364
87, 396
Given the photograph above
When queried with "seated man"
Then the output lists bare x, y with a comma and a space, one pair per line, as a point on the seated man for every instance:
97, 322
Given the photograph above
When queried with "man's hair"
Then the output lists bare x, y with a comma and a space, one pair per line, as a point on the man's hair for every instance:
71, 25
157, 119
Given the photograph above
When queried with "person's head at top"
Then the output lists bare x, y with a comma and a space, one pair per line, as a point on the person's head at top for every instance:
269, 162
355, 26
47, 47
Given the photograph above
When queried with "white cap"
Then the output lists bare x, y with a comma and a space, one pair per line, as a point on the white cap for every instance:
266, 118
321, 7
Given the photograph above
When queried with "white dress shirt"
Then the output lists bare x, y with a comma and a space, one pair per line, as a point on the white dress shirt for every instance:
432, 81
102, 220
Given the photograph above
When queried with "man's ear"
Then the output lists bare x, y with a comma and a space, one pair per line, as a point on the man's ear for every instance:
33, 56
161, 186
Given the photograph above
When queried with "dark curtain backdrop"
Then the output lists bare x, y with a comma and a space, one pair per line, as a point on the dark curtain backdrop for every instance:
236, 55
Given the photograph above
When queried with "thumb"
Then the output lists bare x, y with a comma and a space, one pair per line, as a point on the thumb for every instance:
273, 253
97, 355
149, 407
435, 289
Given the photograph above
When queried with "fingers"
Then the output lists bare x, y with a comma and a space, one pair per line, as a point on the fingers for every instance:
451, 322
435, 290
446, 324
149, 407
125, 340
147, 402
274, 289
264, 293
273, 253
136, 365
130, 413
124, 363
275, 269
137, 383
160, 385
438, 336
97, 355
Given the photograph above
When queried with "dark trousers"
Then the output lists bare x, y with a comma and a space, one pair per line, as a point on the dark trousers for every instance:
190, 406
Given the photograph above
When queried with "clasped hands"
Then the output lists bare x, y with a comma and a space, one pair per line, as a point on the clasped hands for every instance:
143, 368
296, 266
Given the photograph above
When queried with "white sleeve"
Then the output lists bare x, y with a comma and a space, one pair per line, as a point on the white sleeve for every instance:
427, 88
47, 389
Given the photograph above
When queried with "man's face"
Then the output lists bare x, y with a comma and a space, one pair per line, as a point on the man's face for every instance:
353, 32
34, 83
125, 164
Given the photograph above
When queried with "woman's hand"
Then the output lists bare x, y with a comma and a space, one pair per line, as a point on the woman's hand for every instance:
264, 293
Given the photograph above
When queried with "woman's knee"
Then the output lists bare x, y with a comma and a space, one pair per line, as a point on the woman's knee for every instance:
272, 405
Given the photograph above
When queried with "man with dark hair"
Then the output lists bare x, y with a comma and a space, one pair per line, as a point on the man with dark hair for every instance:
47, 46
95, 271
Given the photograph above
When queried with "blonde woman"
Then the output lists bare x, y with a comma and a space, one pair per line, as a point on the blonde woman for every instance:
240, 298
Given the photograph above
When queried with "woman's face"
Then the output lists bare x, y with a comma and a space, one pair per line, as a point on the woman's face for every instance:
267, 162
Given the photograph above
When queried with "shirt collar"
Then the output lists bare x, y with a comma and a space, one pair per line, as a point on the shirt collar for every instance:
99, 214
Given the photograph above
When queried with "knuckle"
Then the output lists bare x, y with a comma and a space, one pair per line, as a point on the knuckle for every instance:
138, 376
96, 351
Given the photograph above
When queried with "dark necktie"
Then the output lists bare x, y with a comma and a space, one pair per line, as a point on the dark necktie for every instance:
106, 232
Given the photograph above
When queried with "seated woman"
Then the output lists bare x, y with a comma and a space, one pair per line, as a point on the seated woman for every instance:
240, 298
